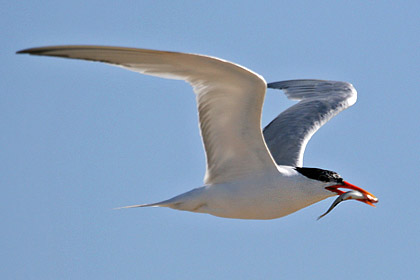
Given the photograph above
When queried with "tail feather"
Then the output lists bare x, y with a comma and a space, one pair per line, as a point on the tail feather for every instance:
139, 205
157, 204
188, 201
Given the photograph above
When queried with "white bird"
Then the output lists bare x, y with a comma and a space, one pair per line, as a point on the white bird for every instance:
244, 179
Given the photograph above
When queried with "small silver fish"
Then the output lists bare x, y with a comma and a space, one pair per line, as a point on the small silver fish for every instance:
342, 197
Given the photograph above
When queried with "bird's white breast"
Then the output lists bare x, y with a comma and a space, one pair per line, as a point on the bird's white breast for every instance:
261, 196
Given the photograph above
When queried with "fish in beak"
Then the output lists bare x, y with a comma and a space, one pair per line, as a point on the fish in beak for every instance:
355, 193
368, 197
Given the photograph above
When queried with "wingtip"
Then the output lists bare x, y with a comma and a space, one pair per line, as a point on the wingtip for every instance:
30, 51
296, 82
22, 51
40, 50
274, 85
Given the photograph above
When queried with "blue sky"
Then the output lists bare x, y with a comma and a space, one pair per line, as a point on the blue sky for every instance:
80, 138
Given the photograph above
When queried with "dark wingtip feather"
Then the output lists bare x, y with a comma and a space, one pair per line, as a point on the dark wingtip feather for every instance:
22, 51
276, 85
295, 83
31, 51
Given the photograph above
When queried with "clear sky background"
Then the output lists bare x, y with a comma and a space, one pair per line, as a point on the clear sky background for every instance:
80, 138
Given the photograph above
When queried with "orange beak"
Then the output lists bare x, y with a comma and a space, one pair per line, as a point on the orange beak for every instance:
369, 198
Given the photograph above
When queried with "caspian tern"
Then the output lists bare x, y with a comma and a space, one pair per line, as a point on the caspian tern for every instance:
250, 174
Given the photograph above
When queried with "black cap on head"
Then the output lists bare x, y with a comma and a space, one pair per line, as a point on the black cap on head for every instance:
319, 174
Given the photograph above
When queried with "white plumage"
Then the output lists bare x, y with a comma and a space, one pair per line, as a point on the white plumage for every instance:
242, 178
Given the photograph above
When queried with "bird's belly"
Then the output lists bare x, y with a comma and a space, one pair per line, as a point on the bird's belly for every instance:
260, 203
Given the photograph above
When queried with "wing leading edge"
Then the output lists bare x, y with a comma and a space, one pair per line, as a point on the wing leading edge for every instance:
229, 99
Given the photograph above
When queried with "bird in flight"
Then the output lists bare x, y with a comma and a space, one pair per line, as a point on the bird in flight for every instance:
250, 173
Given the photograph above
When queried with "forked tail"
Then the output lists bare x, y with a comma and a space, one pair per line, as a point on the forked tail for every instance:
189, 201
158, 204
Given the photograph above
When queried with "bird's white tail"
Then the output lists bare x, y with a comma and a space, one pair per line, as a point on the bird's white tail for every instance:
189, 201
158, 204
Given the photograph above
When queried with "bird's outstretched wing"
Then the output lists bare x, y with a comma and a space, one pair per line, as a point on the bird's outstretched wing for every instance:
319, 101
229, 99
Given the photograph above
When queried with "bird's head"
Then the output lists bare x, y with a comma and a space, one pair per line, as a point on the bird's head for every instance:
334, 183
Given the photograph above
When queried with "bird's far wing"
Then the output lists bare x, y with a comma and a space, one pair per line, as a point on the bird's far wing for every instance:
229, 98
319, 101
